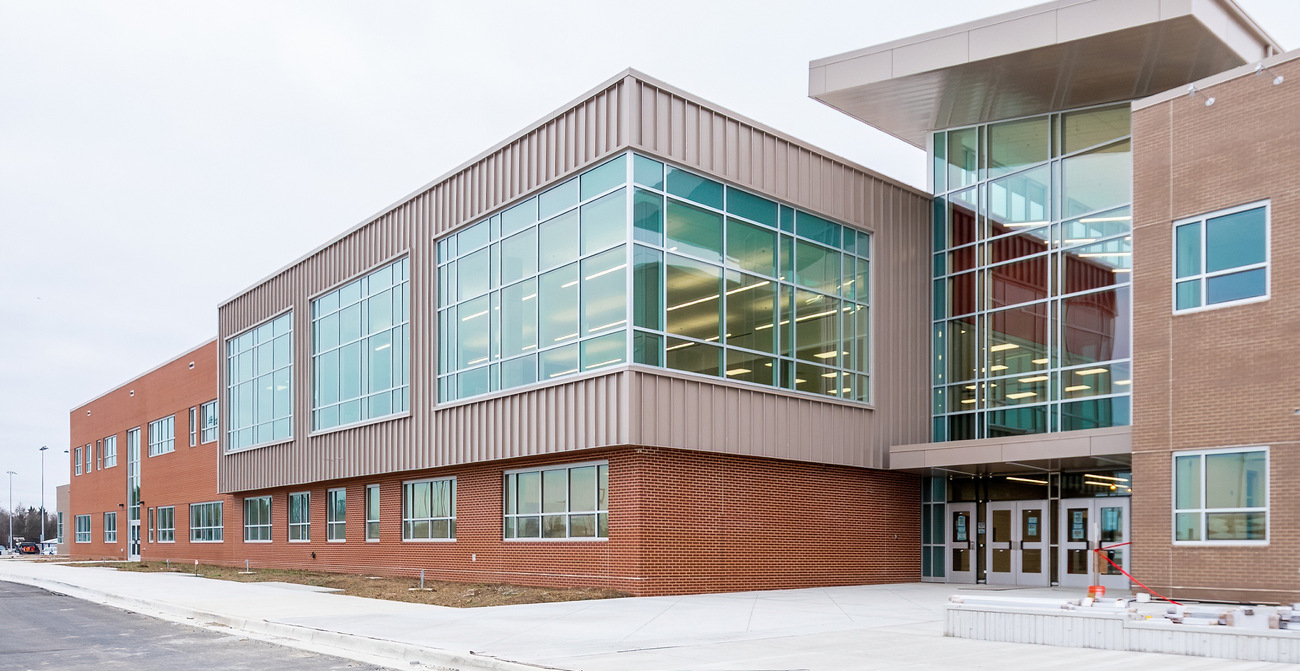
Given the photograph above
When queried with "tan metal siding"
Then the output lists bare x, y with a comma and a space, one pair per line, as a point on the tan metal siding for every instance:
623, 407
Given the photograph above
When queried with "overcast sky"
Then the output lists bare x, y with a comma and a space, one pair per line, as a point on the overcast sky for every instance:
157, 158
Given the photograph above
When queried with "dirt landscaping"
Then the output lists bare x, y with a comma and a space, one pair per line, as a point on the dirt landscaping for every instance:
456, 594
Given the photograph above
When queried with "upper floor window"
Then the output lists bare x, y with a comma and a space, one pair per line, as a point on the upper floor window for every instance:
110, 451
1221, 258
208, 421
1221, 496
76, 461
259, 395
162, 436
360, 348
194, 426
89, 463
638, 261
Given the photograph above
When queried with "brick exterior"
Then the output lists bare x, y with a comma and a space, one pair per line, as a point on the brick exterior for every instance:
186, 475
680, 521
1221, 377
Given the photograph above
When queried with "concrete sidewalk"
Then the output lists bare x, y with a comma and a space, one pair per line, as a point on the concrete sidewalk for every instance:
831, 629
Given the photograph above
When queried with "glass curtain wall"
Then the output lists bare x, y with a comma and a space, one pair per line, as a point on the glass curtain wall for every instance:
1032, 260
722, 282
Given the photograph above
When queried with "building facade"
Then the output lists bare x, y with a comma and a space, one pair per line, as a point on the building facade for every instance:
649, 344
1046, 444
143, 472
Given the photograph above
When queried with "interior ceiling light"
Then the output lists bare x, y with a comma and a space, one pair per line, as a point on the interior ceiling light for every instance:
1091, 371
1030, 480
1104, 477
1040, 362
1004, 347
1078, 387
1023, 394
1036, 378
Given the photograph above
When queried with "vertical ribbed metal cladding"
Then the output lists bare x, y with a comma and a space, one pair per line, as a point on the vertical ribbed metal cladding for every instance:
621, 407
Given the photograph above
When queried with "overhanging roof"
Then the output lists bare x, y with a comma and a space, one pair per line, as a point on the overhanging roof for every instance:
1050, 57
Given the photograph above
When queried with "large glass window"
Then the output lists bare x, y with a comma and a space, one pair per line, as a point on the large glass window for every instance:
110, 451
299, 516
1032, 259
205, 522
162, 436
1221, 496
361, 348
336, 514
1221, 258
257, 518
558, 502
723, 283
259, 395
429, 510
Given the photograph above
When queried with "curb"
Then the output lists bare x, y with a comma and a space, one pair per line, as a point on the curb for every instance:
381, 652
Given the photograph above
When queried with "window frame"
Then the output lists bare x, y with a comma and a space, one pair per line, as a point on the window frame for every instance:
170, 531
218, 531
374, 520
451, 520
268, 525
110, 451
209, 433
166, 445
304, 526
110, 530
568, 509
194, 425
76, 461
79, 533
330, 521
1203, 510
99, 454
1203, 276
230, 384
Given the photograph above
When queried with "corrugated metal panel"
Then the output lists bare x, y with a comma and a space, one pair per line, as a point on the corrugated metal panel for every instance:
611, 409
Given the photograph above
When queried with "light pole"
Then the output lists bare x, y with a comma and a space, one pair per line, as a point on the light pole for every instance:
43, 449
11, 508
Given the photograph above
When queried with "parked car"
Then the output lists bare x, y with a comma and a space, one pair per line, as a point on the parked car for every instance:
29, 548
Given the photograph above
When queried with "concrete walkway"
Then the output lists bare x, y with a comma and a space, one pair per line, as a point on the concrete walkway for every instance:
830, 629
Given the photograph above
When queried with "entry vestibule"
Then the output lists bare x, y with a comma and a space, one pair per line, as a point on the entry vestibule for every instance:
997, 538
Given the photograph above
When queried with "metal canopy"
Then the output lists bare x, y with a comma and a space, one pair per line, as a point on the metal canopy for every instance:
1042, 59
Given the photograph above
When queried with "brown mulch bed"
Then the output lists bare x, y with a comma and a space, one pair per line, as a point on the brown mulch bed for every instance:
456, 594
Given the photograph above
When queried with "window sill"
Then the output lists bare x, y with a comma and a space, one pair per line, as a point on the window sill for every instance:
255, 541
428, 540
199, 541
579, 539
356, 425
1219, 306
1220, 544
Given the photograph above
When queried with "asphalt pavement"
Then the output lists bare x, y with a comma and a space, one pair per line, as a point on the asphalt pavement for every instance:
44, 630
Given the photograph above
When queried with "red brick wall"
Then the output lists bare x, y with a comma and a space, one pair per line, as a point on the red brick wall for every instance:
1223, 377
178, 478
680, 522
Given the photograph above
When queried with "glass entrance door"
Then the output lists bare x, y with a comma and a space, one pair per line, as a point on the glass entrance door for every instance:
1085, 524
961, 542
1017, 543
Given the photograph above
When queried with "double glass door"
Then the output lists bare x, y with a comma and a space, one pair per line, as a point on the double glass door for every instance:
1089, 524
1016, 546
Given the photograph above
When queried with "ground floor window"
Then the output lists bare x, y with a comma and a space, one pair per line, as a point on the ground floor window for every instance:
372, 512
110, 527
336, 513
558, 502
257, 519
59, 530
300, 516
1221, 496
167, 524
205, 522
429, 510
83, 528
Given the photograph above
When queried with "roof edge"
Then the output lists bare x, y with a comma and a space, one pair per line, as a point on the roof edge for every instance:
1215, 79
171, 360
